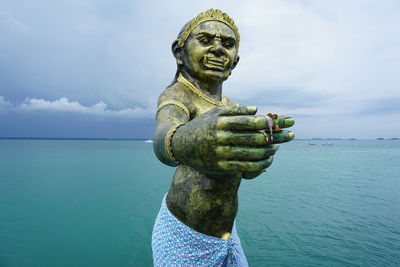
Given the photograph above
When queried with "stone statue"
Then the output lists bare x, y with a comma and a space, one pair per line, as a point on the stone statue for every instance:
213, 141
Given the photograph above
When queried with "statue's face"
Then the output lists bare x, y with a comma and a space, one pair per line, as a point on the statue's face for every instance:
210, 52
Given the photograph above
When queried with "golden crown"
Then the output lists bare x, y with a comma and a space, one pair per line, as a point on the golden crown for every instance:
211, 14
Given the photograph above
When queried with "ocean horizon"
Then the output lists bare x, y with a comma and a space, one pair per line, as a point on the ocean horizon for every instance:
150, 138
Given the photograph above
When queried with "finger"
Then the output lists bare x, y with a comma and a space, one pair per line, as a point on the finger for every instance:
244, 153
251, 175
245, 166
241, 123
273, 148
241, 139
283, 136
284, 121
232, 110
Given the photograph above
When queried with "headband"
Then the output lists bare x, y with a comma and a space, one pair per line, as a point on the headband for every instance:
211, 14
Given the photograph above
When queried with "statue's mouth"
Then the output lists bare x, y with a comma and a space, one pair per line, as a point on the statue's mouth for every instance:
215, 63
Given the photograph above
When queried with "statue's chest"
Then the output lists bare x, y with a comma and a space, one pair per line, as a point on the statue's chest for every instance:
203, 108
200, 107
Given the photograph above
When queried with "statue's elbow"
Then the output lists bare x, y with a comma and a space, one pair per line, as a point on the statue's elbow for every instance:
159, 150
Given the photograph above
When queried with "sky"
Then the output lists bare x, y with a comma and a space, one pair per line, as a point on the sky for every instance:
94, 69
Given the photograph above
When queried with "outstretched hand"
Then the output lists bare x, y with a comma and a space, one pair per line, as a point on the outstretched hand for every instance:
227, 140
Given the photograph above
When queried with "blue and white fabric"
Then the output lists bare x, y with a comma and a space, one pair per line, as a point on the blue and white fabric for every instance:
176, 244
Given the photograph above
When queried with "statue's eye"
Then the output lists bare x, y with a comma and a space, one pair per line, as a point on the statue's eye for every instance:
204, 40
228, 44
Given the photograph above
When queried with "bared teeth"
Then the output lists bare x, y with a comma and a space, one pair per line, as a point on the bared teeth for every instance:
215, 65
215, 62
215, 59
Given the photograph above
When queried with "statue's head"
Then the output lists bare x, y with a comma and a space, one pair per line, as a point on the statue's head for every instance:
207, 46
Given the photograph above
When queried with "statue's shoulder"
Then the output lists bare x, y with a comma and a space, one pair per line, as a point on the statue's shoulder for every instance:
175, 92
177, 95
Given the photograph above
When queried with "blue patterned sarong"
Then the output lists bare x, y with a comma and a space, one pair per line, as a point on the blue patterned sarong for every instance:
176, 244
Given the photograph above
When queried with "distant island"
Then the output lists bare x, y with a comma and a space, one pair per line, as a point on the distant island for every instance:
329, 138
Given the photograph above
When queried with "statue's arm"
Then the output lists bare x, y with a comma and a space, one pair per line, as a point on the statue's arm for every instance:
168, 117
224, 140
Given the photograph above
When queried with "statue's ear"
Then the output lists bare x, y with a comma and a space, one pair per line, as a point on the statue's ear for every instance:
235, 62
178, 52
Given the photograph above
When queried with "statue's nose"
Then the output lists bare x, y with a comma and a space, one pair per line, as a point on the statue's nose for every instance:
217, 48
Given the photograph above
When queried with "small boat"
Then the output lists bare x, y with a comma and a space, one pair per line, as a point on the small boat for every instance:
148, 141
327, 144
311, 144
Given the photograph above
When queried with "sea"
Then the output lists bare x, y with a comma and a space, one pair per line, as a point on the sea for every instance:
94, 202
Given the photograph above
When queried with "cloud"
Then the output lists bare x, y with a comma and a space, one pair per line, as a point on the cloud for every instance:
4, 105
63, 104
301, 58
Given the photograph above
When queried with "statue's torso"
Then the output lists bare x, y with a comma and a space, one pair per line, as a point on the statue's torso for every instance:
206, 203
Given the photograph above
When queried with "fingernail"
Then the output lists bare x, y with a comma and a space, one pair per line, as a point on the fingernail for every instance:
290, 135
252, 108
289, 121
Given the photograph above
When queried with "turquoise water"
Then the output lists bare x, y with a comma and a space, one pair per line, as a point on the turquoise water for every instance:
93, 203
